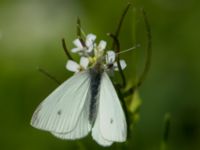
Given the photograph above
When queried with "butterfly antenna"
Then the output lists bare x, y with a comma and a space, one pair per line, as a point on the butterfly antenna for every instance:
130, 49
47, 74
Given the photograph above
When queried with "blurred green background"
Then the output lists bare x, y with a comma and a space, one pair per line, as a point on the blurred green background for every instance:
30, 33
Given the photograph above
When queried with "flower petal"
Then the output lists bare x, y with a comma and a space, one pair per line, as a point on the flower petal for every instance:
84, 62
90, 40
122, 64
110, 57
90, 48
76, 50
102, 45
78, 43
72, 66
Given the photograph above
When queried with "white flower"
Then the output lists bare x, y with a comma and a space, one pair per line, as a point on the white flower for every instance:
122, 64
75, 67
102, 45
79, 47
87, 48
99, 50
90, 38
110, 61
91, 52
110, 57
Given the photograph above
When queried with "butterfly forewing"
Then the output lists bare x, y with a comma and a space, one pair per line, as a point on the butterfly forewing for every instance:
83, 125
60, 111
112, 119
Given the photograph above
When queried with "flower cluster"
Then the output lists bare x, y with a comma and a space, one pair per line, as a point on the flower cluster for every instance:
90, 53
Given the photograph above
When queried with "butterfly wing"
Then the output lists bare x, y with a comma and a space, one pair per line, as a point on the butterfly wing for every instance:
83, 125
113, 125
97, 135
60, 111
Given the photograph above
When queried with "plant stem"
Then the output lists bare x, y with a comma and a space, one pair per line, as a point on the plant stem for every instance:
66, 50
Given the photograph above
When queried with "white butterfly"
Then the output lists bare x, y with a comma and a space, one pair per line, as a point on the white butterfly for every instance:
86, 102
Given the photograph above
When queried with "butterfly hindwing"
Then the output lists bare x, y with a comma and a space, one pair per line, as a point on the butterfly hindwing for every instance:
97, 135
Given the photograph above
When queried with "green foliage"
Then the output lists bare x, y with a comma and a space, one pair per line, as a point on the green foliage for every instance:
30, 36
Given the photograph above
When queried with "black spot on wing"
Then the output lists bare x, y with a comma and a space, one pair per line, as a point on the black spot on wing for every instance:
59, 112
111, 120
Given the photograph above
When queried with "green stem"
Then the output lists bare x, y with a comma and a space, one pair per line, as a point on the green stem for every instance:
148, 57
165, 138
66, 50
149, 50
79, 31
120, 23
117, 50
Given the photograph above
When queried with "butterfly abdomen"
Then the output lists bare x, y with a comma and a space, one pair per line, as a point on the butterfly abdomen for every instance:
95, 77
